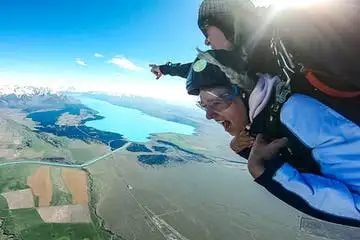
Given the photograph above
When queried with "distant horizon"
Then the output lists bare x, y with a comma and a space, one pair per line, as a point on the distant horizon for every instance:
98, 46
179, 97
93, 46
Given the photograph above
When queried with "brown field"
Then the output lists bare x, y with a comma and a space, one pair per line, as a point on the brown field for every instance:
76, 181
19, 199
65, 214
40, 183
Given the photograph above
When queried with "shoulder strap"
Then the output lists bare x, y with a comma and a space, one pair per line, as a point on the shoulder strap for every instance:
283, 57
310, 75
289, 68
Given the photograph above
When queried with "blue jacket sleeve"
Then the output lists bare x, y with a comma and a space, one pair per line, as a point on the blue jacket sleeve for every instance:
176, 69
320, 197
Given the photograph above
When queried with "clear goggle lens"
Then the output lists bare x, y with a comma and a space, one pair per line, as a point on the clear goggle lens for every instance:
218, 102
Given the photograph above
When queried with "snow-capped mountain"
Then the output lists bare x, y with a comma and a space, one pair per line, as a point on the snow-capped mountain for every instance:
31, 98
20, 91
26, 93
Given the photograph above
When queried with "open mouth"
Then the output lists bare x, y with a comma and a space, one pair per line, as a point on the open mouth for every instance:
226, 124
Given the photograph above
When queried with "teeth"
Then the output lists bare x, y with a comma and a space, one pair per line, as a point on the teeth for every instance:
219, 121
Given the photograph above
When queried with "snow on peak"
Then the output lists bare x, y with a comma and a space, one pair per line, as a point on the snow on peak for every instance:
24, 90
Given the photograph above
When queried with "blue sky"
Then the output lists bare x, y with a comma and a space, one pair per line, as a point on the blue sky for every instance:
55, 41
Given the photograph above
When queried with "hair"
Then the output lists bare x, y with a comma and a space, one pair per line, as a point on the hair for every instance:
241, 80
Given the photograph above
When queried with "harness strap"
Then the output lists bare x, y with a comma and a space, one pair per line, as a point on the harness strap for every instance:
315, 82
286, 63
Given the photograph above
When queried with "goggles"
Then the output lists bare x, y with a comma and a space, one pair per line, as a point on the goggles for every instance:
219, 101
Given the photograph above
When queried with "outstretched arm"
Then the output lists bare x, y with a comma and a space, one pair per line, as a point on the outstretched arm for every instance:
177, 69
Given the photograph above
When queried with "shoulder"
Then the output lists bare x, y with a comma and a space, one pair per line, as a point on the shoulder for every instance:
313, 122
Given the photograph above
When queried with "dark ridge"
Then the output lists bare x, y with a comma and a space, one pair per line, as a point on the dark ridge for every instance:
102, 136
48, 119
136, 147
153, 159
160, 159
159, 149
115, 144
64, 131
86, 134
54, 159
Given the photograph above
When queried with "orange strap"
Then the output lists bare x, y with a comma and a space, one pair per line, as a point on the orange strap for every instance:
315, 82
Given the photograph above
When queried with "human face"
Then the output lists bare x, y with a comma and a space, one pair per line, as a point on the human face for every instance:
216, 39
229, 112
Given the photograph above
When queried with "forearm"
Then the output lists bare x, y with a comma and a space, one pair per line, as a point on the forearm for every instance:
177, 69
315, 195
256, 170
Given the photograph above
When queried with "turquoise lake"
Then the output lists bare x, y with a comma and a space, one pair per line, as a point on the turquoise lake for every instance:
131, 123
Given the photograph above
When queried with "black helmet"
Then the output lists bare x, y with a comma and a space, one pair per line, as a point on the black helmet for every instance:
203, 74
218, 13
222, 14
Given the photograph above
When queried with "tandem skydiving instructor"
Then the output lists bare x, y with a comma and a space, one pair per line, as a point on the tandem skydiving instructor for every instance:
284, 84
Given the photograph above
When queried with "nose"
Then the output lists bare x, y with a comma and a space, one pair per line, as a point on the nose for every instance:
210, 114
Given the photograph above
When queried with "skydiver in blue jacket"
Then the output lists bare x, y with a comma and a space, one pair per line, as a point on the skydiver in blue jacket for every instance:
305, 147
305, 153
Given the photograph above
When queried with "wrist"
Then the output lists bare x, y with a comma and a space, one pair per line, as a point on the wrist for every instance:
256, 169
163, 69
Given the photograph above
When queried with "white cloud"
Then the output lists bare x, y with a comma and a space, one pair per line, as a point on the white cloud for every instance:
98, 55
80, 62
125, 63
